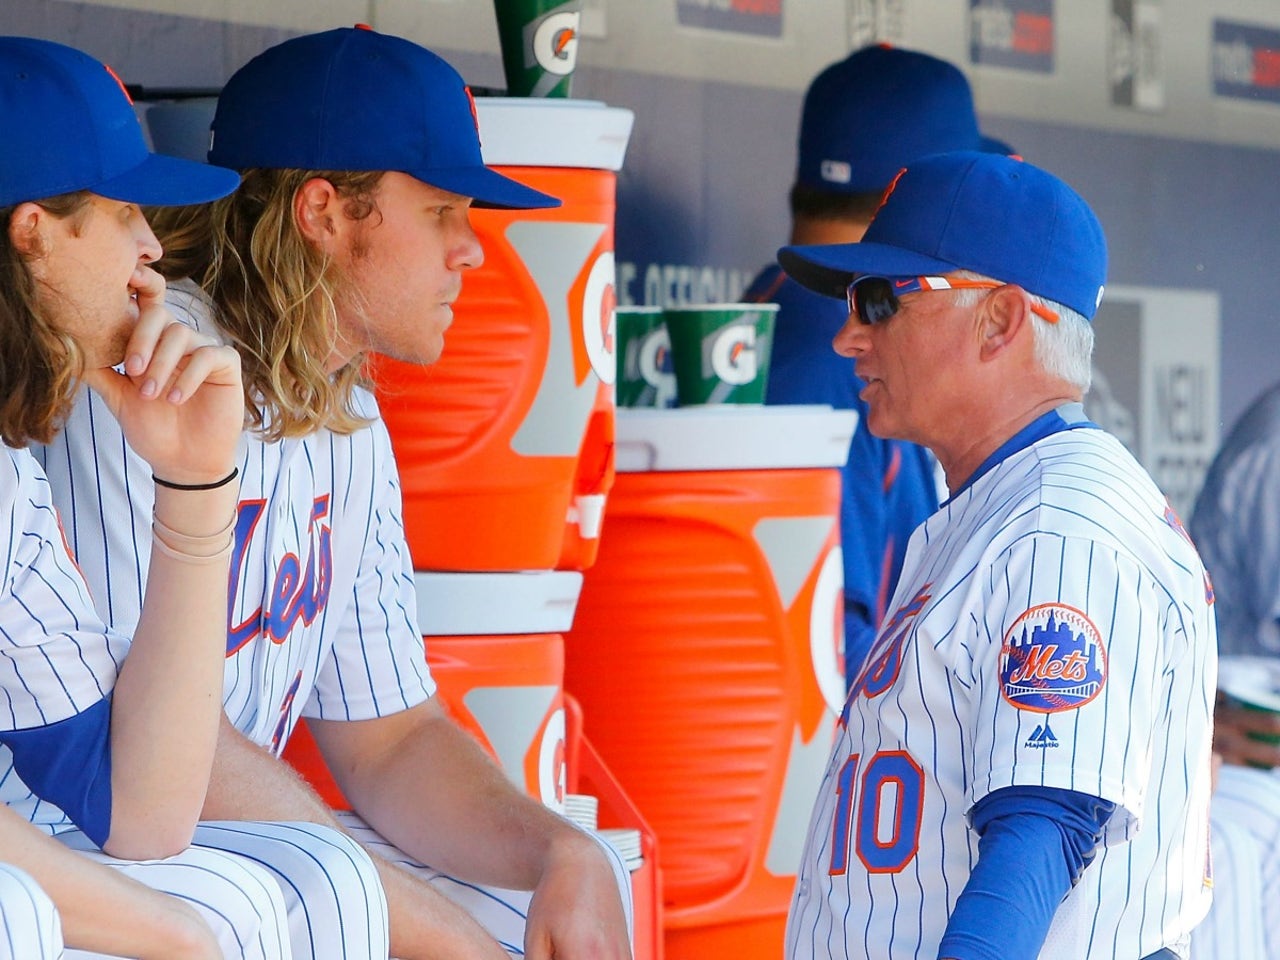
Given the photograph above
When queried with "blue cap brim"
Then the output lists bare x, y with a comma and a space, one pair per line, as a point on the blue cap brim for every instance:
169, 182
829, 269
487, 188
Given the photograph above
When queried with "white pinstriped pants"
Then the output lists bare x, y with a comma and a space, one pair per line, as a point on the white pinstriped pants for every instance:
272, 891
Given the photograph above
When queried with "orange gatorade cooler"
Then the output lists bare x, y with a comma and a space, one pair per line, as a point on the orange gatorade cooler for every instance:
707, 650
495, 647
505, 445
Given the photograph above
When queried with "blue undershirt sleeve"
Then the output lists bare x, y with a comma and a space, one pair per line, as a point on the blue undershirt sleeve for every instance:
1034, 844
68, 763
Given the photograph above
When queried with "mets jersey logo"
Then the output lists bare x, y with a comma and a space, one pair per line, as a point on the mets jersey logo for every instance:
295, 592
1052, 660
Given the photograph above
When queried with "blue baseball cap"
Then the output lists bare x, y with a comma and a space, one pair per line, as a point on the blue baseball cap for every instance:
872, 113
355, 99
991, 214
69, 125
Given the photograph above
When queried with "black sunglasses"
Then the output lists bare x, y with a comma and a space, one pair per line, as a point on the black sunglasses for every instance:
875, 299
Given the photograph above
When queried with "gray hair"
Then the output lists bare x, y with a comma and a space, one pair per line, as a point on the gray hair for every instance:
1064, 349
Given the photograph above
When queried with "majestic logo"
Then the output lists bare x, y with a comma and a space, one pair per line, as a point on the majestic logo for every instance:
1052, 660
295, 592
1042, 737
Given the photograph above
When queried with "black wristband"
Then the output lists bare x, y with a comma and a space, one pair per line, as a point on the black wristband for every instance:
235, 472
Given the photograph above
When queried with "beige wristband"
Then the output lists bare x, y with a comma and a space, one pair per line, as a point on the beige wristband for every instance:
189, 549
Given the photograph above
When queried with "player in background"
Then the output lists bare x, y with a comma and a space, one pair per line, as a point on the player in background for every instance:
849, 148
1236, 526
122, 745
1022, 767
349, 233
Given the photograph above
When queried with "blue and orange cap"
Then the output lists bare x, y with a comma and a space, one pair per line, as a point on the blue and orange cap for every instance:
355, 99
70, 125
988, 213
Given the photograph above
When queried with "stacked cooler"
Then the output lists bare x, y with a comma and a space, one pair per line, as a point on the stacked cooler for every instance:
707, 653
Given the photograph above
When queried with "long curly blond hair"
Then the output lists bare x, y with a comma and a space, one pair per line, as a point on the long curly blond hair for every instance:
275, 295
40, 366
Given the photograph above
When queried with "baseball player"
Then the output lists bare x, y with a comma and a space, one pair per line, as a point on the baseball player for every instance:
120, 747
888, 486
1235, 527
349, 233
1022, 766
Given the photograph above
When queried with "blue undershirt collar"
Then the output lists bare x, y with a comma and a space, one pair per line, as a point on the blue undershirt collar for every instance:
1069, 416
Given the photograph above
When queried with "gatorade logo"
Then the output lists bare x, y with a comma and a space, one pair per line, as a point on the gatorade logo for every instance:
599, 319
551, 762
733, 354
655, 366
826, 630
554, 43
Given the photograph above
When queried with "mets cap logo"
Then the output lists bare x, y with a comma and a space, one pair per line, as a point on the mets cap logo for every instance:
1052, 660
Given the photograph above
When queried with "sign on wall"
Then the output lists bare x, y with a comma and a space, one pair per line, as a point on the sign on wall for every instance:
1136, 54
1012, 33
758, 17
877, 21
1246, 61
1155, 383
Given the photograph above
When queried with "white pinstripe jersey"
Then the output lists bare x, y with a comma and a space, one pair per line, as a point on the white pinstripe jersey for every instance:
1051, 627
323, 616
57, 657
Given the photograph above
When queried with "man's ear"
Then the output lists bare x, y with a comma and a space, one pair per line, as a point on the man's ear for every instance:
317, 210
1004, 318
26, 230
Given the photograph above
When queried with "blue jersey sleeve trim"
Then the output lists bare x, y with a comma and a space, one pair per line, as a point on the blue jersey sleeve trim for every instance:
69, 764
1034, 844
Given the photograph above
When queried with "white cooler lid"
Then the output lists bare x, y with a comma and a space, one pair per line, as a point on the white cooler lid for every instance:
496, 604
551, 132
733, 437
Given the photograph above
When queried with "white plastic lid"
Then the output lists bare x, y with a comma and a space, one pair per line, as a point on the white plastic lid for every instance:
551, 132
733, 437
496, 604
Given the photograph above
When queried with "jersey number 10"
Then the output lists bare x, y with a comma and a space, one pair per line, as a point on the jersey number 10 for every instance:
890, 794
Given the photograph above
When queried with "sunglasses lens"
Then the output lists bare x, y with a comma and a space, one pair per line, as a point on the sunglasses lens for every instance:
872, 299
